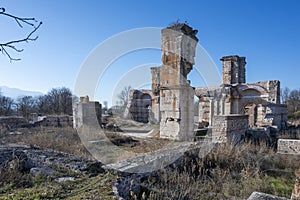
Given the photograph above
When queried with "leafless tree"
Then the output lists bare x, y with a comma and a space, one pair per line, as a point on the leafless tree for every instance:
285, 92
6, 47
56, 101
6, 105
124, 96
26, 105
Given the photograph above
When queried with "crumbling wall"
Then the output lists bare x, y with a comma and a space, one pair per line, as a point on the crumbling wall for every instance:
86, 112
176, 95
13, 121
233, 70
60, 120
229, 128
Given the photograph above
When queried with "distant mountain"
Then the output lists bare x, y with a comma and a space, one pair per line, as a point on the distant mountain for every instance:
15, 92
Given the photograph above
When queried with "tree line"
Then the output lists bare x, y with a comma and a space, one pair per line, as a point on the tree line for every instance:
57, 101
292, 99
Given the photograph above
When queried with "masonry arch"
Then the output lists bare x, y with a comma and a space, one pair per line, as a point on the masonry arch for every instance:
252, 100
139, 106
145, 107
251, 90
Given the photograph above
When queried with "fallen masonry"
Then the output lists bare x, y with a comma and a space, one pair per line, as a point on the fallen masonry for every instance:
263, 196
46, 162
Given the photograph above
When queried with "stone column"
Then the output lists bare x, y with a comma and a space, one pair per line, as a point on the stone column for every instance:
200, 111
211, 111
223, 104
236, 107
217, 107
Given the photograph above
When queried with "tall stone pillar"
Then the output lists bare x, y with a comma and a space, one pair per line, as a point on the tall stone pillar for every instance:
176, 95
201, 110
211, 111
223, 104
155, 72
217, 106
233, 70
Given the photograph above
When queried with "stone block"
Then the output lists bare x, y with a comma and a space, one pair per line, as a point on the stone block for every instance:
264, 196
288, 146
229, 128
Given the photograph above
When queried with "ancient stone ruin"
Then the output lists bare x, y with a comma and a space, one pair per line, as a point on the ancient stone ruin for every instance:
259, 102
228, 110
86, 112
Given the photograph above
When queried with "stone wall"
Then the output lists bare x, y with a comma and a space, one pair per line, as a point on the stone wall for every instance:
13, 121
64, 120
288, 146
229, 128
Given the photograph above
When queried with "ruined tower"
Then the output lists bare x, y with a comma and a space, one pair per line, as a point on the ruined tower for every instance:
233, 70
176, 95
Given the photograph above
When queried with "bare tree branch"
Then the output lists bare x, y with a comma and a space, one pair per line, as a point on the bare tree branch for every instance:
11, 44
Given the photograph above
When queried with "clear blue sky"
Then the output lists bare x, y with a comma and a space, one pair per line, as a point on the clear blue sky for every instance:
267, 32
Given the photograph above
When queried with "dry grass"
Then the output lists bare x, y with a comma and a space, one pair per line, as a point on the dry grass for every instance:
63, 139
293, 133
69, 140
228, 172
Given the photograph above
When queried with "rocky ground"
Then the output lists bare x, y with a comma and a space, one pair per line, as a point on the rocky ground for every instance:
31, 172
52, 163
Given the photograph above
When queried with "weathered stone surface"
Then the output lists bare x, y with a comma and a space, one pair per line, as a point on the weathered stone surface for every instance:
132, 170
151, 161
86, 112
44, 171
176, 95
229, 128
288, 146
260, 101
172, 97
140, 106
64, 179
38, 161
234, 69
263, 196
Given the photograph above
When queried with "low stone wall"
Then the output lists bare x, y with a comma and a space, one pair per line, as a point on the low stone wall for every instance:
60, 120
288, 146
13, 122
229, 128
